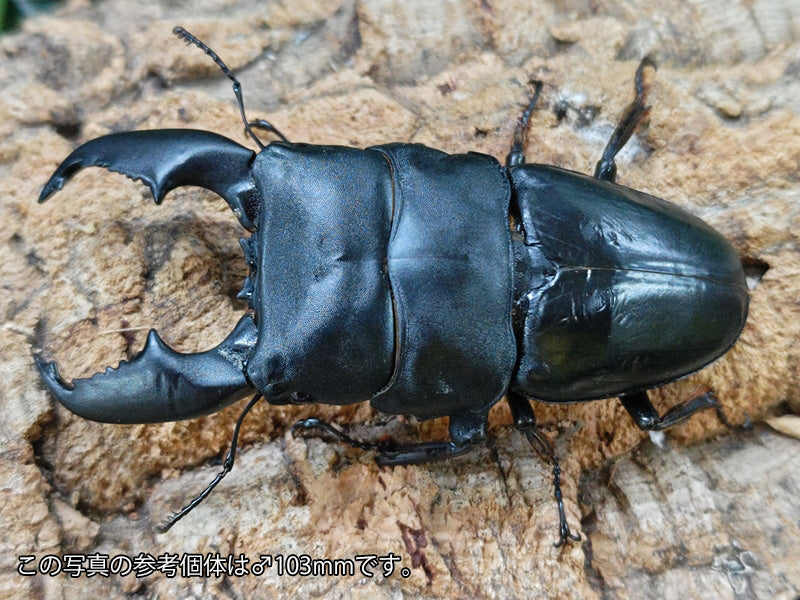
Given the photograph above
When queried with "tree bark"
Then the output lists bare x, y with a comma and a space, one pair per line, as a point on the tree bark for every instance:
708, 513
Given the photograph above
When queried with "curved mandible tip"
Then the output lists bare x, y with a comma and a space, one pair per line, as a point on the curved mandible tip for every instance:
168, 158
160, 384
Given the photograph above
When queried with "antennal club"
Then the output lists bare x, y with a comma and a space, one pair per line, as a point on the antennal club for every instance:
237, 86
167, 524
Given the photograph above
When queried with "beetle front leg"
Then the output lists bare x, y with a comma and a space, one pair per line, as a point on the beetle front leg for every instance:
315, 423
525, 421
647, 418
466, 432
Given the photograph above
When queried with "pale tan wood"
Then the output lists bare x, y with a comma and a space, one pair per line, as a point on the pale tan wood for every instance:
85, 275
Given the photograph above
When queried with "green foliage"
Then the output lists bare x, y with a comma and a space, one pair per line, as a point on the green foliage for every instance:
12, 12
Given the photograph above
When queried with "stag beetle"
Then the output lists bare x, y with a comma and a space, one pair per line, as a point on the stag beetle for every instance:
433, 284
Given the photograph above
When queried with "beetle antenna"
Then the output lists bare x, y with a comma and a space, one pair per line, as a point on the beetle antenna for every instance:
237, 87
517, 156
267, 126
165, 525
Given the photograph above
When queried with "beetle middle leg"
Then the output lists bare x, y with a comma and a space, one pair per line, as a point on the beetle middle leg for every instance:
516, 156
525, 421
606, 169
647, 418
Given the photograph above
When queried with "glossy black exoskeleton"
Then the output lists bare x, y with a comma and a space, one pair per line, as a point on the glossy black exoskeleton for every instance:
433, 284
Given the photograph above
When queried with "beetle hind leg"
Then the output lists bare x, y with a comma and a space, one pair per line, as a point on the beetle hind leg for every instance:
525, 421
647, 418
606, 169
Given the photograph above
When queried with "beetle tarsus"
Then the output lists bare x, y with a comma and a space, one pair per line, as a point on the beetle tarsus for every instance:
564, 531
525, 421
167, 523
315, 423
606, 169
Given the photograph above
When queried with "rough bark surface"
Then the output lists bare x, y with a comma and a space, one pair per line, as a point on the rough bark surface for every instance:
711, 514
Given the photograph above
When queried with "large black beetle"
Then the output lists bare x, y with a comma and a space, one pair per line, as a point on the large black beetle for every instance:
433, 284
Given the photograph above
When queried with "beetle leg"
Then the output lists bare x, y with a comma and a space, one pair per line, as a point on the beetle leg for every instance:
525, 421
315, 423
606, 169
422, 453
516, 155
165, 525
466, 431
647, 418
